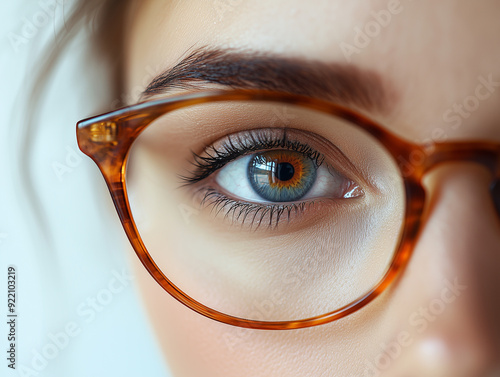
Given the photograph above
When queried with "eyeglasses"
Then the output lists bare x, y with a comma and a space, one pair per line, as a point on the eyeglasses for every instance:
303, 214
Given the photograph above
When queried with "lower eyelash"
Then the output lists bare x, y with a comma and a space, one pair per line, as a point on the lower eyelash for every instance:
252, 214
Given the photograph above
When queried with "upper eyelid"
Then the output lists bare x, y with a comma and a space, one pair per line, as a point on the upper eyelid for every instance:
330, 152
238, 151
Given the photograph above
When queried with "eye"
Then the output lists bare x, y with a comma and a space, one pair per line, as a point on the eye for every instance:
282, 176
262, 176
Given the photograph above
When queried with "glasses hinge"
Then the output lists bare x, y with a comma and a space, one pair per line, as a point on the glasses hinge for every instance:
103, 132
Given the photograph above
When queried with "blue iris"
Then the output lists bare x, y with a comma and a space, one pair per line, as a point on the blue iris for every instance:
281, 175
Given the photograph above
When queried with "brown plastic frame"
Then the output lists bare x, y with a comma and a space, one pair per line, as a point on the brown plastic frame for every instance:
107, 139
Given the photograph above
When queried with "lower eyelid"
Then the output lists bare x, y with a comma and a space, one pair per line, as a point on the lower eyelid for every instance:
288, 217
253, 215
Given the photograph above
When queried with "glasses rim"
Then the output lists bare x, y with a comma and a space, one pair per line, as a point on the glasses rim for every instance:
107, 139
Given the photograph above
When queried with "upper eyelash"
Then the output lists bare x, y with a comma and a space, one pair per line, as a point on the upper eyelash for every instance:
254, 141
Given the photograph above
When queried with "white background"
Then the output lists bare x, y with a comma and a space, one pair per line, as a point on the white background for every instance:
57, 223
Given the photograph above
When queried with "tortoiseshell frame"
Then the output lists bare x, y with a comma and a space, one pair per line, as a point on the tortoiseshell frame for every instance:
107, 139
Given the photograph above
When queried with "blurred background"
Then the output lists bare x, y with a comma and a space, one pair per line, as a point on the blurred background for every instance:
78, 311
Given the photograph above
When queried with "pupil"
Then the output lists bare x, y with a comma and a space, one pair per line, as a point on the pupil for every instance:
284, 171
275, 178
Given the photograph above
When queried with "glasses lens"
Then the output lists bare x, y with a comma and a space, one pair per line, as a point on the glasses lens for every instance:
287, 212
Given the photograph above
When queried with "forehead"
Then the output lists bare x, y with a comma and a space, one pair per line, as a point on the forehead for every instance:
435, 55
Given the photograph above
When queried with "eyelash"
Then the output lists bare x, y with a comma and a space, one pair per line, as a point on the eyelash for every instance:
233, 147
257, 141
274, 212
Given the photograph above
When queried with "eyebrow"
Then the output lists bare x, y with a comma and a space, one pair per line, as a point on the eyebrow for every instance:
338, 82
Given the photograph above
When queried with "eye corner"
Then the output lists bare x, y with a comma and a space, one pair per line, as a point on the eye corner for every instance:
354, 191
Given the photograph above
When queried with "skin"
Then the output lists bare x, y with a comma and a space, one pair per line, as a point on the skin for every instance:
432, 54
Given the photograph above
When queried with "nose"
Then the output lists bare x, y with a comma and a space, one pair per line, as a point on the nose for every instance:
447, 303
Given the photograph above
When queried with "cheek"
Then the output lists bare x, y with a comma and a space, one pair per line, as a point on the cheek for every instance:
197, 346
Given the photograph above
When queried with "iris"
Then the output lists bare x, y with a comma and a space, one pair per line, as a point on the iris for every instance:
281, 175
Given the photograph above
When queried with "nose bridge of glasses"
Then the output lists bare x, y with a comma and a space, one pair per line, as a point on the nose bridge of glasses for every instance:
482, 153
